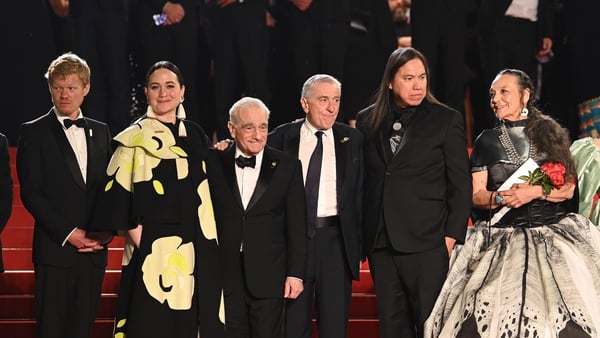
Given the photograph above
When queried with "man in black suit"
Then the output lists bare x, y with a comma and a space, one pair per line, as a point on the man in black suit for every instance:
318, 35
167, 30
334, 248
240, 49
510, 36
6, 189
438, 29
61, 160
417, 196
100, 36
258, 200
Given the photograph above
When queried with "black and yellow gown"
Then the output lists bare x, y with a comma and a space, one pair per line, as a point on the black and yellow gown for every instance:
170, 285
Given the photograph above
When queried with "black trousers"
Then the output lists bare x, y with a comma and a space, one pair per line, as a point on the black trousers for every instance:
328, 284
406, 287
249, 317
66, 298
513, 44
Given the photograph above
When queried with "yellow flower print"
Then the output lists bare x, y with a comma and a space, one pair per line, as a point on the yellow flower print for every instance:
206, 213
142, 147
168, 272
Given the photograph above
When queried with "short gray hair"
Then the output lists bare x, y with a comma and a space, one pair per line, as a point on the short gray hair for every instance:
246, 102
318, 78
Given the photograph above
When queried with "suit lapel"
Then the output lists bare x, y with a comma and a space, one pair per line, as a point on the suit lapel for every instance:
65, 147
291, 140
383, 147
92, 151
341, 142
228, 166
419, 115
267, 169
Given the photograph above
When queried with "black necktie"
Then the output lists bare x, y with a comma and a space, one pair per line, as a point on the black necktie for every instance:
80, 123
243, 161
311, 187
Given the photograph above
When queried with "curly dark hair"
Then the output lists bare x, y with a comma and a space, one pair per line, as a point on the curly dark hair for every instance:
551, 139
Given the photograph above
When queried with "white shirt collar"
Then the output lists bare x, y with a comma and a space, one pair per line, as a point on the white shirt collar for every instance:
312, 130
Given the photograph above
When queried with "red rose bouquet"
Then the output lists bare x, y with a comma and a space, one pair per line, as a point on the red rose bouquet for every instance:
549, 175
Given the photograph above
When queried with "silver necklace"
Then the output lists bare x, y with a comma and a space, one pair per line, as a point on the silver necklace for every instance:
510, 149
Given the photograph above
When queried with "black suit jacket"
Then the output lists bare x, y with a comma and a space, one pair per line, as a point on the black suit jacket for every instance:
272, 228
349, 180
6, 189
53, 189
491, 11
423, 192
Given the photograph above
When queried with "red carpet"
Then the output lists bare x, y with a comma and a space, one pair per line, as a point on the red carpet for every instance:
17, 283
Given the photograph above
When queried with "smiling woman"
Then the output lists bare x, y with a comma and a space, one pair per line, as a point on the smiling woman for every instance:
507, 99
164, 92
531, 271
156, 193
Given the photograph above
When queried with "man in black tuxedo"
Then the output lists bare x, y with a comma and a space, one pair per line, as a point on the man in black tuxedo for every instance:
510, 36
334, 246
61, 160
258, 198
417, 196
318, 35
100, 36
6, 189
438, 29
240, 54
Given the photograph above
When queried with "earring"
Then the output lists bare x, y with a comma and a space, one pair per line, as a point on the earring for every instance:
524, 112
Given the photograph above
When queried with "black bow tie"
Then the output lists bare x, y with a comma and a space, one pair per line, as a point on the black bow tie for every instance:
243, 162
80, 123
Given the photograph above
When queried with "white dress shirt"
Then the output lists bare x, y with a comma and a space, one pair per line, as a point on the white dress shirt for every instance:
246, 180
327, 201
247, 177
524, 9
76, 137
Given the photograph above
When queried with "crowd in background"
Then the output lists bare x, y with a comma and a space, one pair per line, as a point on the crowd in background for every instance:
266, 49
239, 53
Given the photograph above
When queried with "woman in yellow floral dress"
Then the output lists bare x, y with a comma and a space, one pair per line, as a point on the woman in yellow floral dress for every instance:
157, 195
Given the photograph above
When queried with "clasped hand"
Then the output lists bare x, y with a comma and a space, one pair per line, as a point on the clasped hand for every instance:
84, 243
519, 194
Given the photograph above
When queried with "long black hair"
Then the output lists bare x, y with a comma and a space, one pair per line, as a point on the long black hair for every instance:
381, 104
166, 65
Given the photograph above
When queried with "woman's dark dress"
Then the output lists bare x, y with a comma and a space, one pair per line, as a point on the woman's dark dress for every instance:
170, 285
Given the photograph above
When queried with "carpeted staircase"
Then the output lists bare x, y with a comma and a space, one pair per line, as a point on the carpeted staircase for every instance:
17, 283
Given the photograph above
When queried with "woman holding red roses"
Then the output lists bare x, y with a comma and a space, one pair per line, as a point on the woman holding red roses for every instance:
533, 271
